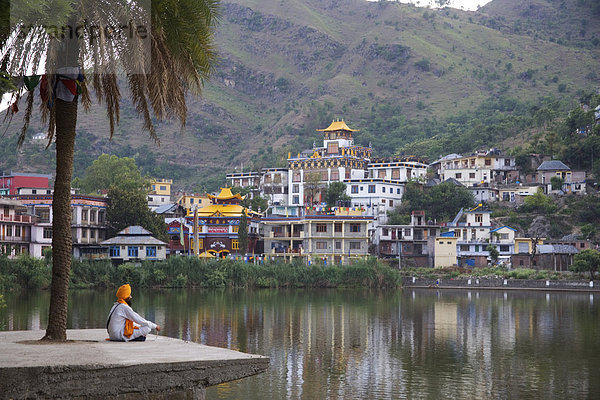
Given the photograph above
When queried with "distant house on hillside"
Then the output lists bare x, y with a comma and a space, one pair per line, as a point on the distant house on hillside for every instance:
135, 243
573, 181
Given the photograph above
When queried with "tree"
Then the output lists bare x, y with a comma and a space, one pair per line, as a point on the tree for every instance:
130, 207
539, 202
336, 191
494, 253
170, 53
440, 202
312, 187
587, 260
557, 182
109, 170
243, 232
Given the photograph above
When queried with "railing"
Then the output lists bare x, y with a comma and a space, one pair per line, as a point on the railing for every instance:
15, 218
15, 239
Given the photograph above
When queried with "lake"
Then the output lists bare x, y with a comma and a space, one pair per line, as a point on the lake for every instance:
361, 344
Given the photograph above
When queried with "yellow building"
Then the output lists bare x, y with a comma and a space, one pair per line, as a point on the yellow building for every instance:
191, 201
161, 187
445, 251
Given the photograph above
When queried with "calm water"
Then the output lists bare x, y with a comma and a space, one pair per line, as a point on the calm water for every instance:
349, 344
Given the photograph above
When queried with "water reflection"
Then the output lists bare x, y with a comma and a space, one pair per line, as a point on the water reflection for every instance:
342, 344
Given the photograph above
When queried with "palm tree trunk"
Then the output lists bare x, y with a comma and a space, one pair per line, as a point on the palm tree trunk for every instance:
66, 119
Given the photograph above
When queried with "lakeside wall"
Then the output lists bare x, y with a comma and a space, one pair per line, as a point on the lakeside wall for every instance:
501, 283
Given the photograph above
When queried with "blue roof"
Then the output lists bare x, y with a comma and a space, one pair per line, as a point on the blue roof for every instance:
447, 234
503, 226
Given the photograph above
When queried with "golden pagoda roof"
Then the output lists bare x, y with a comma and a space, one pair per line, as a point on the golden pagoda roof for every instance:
337, 126
226, 194
220, 210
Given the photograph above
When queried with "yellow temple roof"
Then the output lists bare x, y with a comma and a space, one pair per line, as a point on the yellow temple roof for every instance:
337, 126
224, 210
226, 194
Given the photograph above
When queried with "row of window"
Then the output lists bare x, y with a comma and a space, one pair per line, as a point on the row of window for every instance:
132, 251
337, 227
373, 189
320, 245
13, 230
478, 248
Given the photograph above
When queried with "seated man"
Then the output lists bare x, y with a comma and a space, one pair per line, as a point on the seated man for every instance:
123, 323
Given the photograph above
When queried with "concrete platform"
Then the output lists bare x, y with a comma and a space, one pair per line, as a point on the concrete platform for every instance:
88, 366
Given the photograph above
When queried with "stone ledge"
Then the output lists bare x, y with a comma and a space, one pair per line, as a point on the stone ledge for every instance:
91, 367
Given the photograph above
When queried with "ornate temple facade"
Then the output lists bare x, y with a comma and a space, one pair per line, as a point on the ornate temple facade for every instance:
218, 225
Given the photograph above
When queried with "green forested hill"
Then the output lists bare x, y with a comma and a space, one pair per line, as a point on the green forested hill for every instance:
422, 81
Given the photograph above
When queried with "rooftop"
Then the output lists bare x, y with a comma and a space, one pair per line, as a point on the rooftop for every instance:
553, 165
337, 126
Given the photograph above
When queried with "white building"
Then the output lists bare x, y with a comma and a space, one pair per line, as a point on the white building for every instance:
134, 243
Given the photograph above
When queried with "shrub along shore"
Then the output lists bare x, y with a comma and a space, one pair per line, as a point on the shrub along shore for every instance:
189, 272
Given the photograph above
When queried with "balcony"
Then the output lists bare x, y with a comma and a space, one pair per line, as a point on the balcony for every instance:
15, 218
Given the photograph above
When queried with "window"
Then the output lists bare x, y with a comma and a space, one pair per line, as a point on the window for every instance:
383, 189
354, 245
324, 175
335, 175
321, 227
391, 203
381, 174
33, 191
472, 175
191, 201
333, 147
338, 227
354, 227
396, 174
93, 215
398, 191
464, 247
150, 251
478, 217
84, 233
132, 251
18, 231
321, 245
488, 161
458, 175
295, 200
267, 178
354, 189
100, 217
295, 188
163, 188
236, 229
407, 232
92, 234
296, 176
47, 233
235, 244
84, 215
338, 245
115, 251
371, 188
504, 248
384, 232
504, 236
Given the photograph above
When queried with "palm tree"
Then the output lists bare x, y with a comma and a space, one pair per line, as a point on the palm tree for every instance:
172, 53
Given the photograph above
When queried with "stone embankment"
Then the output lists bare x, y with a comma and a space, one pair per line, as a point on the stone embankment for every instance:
88, 366
501, 283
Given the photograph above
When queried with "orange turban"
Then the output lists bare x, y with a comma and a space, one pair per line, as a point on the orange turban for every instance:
124, 292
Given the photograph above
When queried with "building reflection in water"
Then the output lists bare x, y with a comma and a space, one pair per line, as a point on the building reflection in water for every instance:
341, 344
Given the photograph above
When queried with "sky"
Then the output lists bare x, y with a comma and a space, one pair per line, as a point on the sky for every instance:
460, 4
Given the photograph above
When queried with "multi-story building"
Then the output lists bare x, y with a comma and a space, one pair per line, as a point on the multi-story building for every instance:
338, 235
504, 240
571, 181
338, 160
413, 244
472, 236
9, 184
274, 186
192, 201
483, 167
160, 193
376, 196
15, 228
88, 223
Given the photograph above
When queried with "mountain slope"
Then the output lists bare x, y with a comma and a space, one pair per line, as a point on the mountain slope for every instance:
394, 71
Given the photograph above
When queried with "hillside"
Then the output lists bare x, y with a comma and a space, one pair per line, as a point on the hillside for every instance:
410, 79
